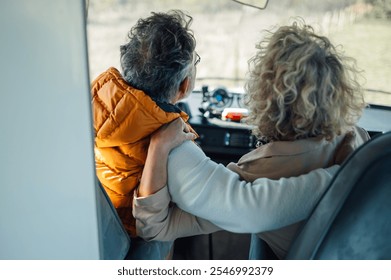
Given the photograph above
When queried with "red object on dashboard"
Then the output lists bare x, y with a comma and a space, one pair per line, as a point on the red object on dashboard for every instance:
234, 114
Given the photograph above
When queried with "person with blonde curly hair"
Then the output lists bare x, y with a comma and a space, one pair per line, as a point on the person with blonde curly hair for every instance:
304, 100
300, 86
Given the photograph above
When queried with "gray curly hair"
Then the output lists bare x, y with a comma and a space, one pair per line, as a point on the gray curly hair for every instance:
300, 86
159, 54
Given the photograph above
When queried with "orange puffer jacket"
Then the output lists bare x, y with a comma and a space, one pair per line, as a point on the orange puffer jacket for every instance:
124, 118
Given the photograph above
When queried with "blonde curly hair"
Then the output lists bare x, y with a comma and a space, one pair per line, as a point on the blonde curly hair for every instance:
300, 86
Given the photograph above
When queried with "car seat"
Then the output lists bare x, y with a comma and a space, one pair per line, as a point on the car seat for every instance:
114, 240
353, 218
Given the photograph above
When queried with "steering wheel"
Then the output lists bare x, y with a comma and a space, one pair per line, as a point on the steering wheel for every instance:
221, 98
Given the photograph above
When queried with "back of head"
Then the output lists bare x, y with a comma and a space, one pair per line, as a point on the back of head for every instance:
300, 86
159, 54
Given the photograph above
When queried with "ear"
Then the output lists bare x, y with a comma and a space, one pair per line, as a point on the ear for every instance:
183, 88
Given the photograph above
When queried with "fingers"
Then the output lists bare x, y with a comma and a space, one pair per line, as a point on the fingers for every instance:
189, 136
183, 126
177, 129
185, 134
172, 135
193, 136
186, 129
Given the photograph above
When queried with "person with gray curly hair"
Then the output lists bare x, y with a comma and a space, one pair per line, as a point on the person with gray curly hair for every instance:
304, 101
158, 69
160, 55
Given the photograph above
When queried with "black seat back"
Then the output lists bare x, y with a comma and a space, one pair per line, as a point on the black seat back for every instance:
115, 242
353, 218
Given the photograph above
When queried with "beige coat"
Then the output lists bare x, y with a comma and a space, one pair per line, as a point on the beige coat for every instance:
287, 159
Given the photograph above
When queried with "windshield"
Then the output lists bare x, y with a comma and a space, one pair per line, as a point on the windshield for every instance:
227, 32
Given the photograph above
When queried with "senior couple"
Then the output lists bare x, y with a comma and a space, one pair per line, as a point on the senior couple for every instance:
303, 101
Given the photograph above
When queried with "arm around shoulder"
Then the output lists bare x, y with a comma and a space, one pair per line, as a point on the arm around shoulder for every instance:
211, 191
156, 221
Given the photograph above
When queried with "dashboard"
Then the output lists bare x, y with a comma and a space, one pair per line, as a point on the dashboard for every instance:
224, 140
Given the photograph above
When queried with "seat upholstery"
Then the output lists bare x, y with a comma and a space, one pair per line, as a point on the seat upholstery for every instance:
353, 218
114, 240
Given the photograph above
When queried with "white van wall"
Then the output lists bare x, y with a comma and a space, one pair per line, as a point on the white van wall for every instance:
47, 179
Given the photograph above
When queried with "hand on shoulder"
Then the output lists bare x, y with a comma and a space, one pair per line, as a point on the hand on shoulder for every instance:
171, 135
